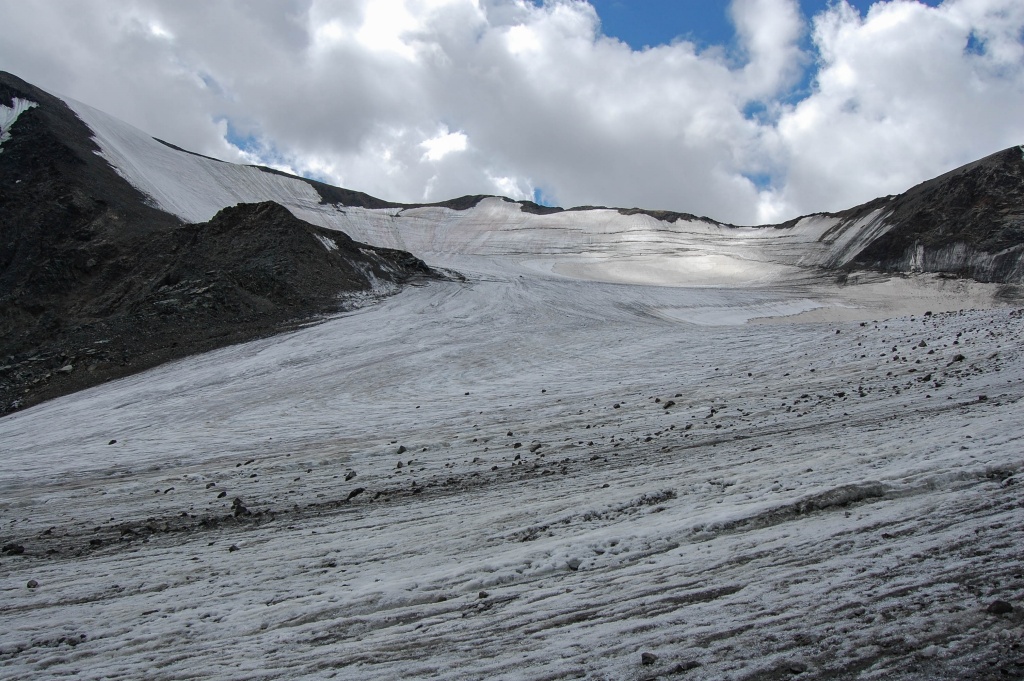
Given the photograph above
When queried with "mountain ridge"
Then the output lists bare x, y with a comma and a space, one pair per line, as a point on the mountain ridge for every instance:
83, 195
951, 237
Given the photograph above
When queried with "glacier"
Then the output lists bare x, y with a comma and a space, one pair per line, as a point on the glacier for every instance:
836, 497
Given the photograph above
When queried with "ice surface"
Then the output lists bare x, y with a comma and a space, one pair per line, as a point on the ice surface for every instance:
838, 500
9, 114
328, 243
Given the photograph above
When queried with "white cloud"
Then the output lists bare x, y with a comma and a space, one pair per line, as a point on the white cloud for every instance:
430, 99
510, 187
900, 98
159, 31
769, 30
444, 144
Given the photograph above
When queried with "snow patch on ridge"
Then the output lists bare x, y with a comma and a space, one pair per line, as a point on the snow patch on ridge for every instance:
9, 114
192, 187
328, 243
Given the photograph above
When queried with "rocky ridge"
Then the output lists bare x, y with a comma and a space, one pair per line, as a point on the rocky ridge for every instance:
95, 283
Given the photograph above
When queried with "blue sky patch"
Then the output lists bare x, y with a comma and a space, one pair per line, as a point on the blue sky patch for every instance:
542, 199
975, 45
649, 23
763, 181
757, 111
262, 153
247, 142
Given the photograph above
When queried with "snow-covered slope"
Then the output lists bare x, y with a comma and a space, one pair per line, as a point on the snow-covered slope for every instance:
690, 251
192, 187
965, 222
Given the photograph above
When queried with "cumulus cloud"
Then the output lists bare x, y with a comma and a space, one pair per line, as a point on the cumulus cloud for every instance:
423, 100
901, 95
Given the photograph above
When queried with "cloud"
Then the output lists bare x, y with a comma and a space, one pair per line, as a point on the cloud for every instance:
429, 99
442, 145
770, 32
901, 95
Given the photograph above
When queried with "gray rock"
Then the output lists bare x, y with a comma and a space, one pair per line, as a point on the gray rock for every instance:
685, 666
1000, 608
796, 667
238, 508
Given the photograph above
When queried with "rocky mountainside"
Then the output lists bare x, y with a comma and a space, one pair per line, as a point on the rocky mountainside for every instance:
96, 283
968, 222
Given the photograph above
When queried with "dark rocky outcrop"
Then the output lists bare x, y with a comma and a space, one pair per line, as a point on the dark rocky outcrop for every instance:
96, 284
670, 216
968, 222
